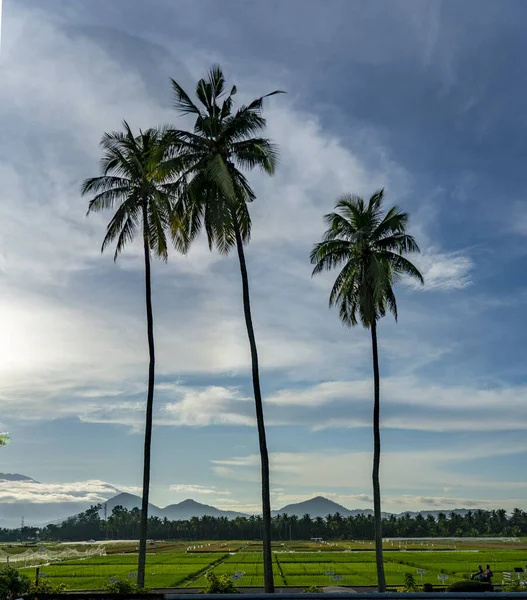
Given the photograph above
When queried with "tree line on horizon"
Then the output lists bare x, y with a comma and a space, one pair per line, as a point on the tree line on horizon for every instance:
166, 186
124, 524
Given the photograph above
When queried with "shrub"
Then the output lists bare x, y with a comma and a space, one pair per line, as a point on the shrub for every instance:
470, 586
123, 586
13, 584
45, 586
312, 589
513, 586
219, 585
409, 583
428, 587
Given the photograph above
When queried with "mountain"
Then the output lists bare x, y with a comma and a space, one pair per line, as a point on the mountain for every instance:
174, 512
15, 477
190, 508
318, 507
129, 501
321, 507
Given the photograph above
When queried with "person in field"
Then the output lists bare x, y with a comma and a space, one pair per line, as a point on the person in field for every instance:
479, 574
487, 576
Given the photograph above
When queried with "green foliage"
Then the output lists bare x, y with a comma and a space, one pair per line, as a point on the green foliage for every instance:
514, 586
369, 245
134, 181
123, 586
222, 584
47, 586
298, 569
428, 587
410, 584
470, 586
13, 584
212, 191
313, 589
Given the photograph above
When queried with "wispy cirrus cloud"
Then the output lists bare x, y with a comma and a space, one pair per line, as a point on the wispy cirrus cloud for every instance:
442, 271
187, 488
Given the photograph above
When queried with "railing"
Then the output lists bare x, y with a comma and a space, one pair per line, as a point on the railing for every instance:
356, 596
284, 595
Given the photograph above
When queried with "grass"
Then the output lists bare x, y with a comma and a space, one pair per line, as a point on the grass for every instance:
163, 569
295, 564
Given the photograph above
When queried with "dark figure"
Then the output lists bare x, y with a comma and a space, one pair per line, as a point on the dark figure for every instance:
479, 575
488, 575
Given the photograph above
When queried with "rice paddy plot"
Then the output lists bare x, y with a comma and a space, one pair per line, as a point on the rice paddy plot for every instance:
325, 557
298, 569
164, 570
250, 568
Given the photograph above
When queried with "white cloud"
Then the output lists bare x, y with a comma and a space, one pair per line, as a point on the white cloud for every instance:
94, 492
211, 406
187, 488
332, 472
347, 404
64, 307
73, 342
442, 271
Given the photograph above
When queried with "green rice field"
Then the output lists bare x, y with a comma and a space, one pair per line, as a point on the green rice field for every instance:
294, 564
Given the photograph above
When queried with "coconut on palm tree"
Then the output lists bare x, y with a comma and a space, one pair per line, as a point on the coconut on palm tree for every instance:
213, 193
369, 247
134, 183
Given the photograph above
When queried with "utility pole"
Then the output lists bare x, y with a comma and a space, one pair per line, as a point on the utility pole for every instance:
106, 518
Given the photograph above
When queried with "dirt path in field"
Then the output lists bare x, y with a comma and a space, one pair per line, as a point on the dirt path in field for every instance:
204, 571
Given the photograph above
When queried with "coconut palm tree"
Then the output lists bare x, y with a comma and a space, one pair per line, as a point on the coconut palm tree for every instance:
369, 245
213, 193
134, 183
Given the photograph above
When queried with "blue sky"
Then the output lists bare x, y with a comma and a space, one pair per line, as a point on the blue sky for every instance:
425, 99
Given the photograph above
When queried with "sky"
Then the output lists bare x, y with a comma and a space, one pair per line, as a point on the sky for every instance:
425, 99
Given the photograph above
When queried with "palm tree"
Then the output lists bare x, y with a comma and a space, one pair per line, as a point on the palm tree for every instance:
370, 246
213, 193
133, 180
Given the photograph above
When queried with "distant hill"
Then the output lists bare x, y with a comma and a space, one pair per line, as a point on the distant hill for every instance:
129, 501
15, 477
41, 513
190, 508
321, 507
174, 512
318, 507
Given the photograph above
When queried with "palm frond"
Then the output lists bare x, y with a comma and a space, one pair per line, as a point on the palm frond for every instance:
372, 246
182, 102
208, 186
400, 264
256, 152
329, 254
218, 172
398, 242
135, 178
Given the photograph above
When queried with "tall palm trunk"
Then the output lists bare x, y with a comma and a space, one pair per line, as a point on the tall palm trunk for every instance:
381, 581
143, 529
264, 456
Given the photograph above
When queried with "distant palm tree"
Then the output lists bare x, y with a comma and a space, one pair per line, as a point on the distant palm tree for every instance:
133, 180
370, 246
213, 193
